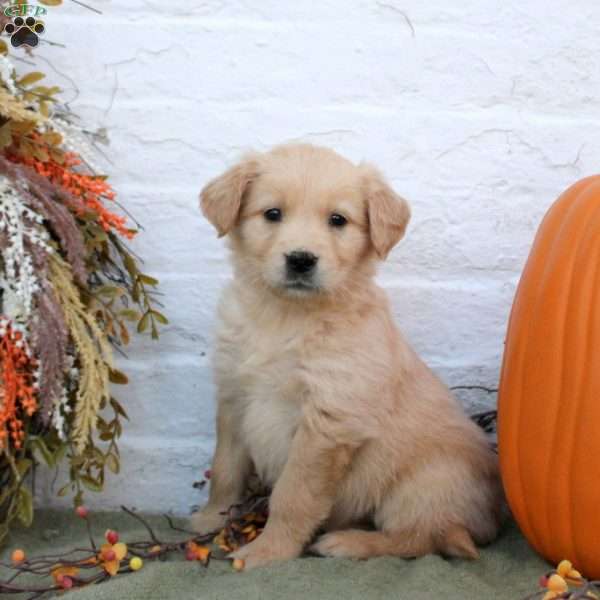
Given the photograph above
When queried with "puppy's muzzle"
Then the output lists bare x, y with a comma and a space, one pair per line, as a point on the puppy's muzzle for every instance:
300, 263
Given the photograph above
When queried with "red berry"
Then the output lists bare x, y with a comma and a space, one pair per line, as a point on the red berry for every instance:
82, 511
66, 582
543, 581
190, 555
112, 537
207, 474
109, 555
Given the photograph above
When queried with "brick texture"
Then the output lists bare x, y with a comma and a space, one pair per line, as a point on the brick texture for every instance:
479, 112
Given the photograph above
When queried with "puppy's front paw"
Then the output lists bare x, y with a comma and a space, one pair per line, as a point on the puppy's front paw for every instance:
265, 550
208, 520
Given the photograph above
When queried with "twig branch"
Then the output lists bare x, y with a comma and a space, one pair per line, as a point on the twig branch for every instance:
143, 522
87, 6
483, 388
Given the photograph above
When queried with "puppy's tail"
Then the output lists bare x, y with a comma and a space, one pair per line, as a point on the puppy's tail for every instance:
457, 541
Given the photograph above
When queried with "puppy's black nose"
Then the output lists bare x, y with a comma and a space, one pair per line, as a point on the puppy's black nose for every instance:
300, 261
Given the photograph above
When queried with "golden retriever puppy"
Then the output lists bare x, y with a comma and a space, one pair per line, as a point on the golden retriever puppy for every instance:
318, 392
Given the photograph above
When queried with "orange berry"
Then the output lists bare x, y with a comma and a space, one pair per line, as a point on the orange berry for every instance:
202, 553
550, 595
557, 584
18, 556
564, 566
238, 564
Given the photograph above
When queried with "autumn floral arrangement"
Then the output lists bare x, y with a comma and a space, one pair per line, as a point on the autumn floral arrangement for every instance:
69, 286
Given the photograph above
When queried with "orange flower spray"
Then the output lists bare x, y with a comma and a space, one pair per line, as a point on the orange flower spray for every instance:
92, 189
17, 385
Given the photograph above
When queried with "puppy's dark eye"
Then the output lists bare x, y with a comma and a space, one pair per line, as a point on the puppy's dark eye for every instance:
336, 220
273, 214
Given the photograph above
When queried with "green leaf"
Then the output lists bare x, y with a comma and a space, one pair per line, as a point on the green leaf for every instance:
30, 78
130, 314
101, 424
23, 467
118, 408
59, 453
160, 317
40, 153
147, 279
111, 291
118, 377
112, 462
47, 456
124, 333
63, 490
144, 322
6, 134
100, 235
135, 292
56, 154
130, 265
25, 506
43, 90
77, 461
91, 484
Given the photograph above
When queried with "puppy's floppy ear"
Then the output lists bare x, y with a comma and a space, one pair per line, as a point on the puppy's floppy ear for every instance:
388, 212
221, 198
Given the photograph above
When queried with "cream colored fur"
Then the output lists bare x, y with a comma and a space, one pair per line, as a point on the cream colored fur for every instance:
318, 392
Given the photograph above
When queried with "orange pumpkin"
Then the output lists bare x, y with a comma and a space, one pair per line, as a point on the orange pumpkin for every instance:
549, 398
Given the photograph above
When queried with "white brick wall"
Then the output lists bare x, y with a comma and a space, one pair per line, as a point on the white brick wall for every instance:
479, 112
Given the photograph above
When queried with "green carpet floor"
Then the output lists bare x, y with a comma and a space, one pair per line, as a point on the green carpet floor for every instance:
507, 570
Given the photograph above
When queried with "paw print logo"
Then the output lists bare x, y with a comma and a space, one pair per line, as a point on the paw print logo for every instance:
24, 31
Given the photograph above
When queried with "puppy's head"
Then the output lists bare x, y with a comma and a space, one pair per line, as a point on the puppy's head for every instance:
303, 220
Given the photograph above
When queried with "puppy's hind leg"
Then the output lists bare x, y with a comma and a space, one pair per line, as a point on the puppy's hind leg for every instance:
356, 543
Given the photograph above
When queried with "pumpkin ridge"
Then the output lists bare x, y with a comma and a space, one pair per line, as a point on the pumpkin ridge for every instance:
550, 278
588, 243
524, 294
572, 472
591, 309
539, 298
